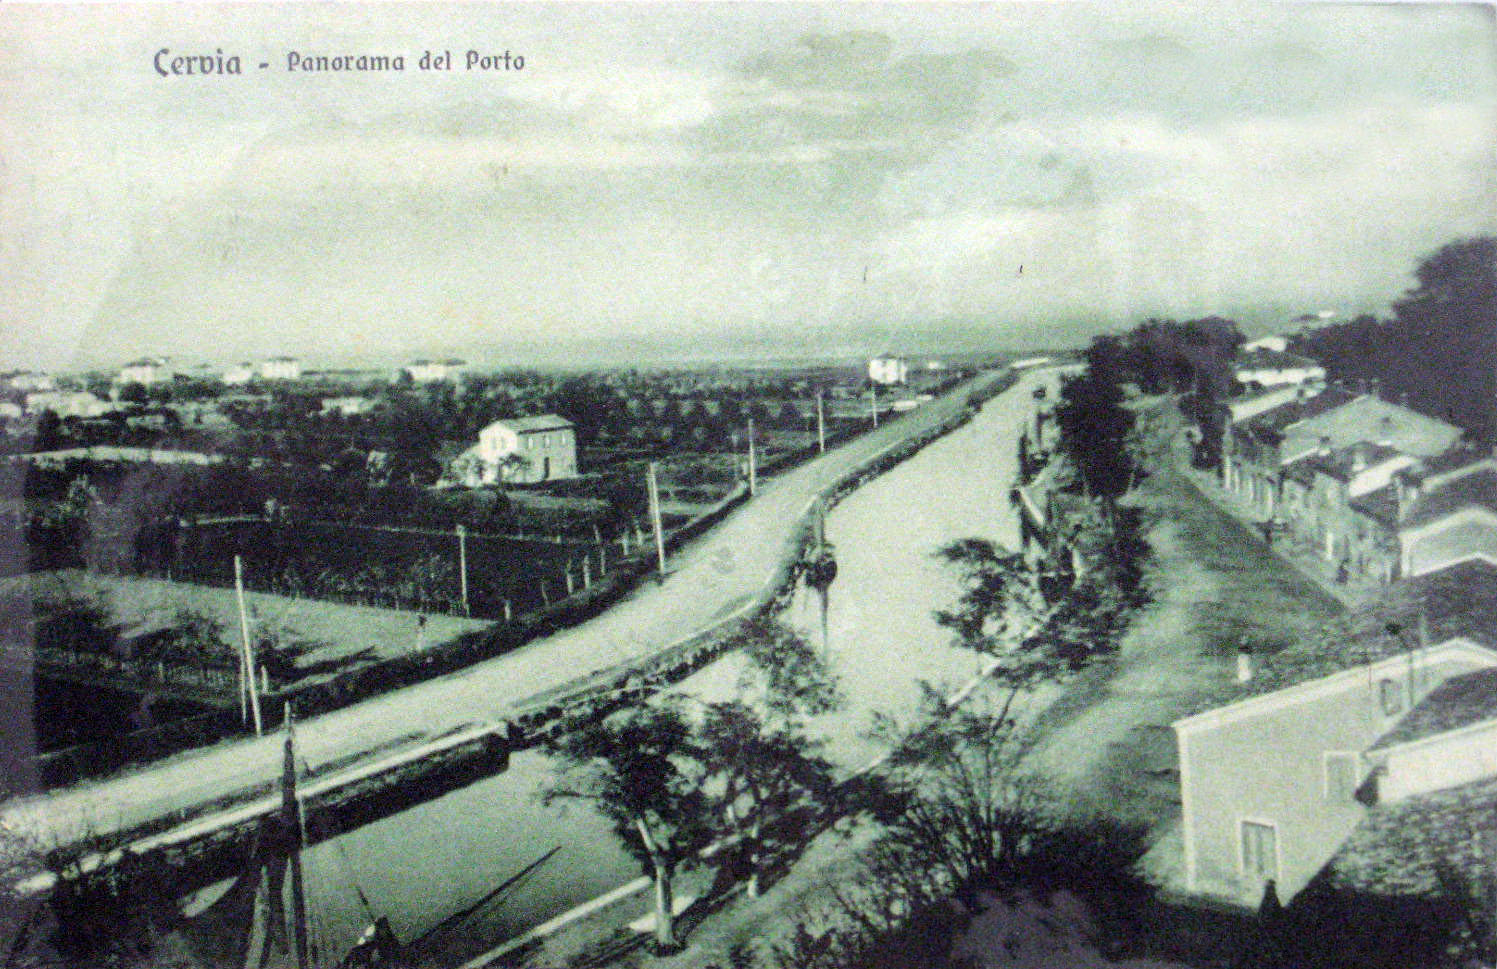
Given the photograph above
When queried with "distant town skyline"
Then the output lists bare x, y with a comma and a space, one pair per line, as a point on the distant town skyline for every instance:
738, 180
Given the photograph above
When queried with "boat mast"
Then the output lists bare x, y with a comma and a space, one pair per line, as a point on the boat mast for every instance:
291, 818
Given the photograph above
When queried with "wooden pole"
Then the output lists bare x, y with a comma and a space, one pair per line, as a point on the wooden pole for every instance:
753, 470
820, 426
654, 491
248, 657
291, 814
462, 565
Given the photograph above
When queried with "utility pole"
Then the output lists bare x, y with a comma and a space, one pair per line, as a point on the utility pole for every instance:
462, 565
873, 405
820, 426
654, 491
247, 656
753, 470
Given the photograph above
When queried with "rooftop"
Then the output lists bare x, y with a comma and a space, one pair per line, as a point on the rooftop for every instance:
1399, 846
1458, 702
1475, 490
1267, 358
526, 425
1459, 601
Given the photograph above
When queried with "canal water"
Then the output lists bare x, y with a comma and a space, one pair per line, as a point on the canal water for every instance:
423, 865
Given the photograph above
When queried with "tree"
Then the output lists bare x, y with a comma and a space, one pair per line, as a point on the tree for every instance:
134, 393
1094, 428
641, 768
764, 773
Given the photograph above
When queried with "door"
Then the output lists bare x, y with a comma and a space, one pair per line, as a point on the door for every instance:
1260, 854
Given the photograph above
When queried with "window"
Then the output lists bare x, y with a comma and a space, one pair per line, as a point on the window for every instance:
1260, 853
1390, 694
1340, 776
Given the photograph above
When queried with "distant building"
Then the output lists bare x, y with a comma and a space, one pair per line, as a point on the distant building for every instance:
1273, 785
433, 371
280, 368
521, 450
28, 381
1265, 366
888, 370
67, 403
145, 371
239, 374
347, 406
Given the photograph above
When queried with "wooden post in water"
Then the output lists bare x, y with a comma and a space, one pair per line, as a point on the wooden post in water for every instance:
247, 657
653, 484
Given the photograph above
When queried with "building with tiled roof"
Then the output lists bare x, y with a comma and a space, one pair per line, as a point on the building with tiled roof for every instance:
522, 450
1448, 517
1324, 739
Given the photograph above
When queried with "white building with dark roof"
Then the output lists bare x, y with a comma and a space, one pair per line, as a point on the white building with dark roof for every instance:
520, 450
280, 368
434, 371
145, 371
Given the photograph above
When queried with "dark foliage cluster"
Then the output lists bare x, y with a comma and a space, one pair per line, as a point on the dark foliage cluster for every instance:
1437, 349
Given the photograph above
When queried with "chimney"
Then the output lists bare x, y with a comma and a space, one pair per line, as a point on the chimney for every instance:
1244, 664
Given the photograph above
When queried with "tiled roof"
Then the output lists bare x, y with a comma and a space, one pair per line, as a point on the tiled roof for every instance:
1270, 422
1458, 702
1398, 846
1475, 490
1380, 505
1457, 601
544, 422
1265, 358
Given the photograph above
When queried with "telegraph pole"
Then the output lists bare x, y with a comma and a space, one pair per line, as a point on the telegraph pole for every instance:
654, 492
820, 426
753, 470
462, 565
247, 656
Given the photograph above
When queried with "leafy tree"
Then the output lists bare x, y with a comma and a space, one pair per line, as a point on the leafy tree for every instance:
641, 768
1094, 428
134, 393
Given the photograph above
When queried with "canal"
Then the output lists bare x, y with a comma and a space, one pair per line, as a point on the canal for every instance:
421, 866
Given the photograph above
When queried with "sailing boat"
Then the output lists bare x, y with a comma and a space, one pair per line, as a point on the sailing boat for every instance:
271, 898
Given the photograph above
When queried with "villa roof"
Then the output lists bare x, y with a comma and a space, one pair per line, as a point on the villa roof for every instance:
1271, 422
529, 425
1458, 702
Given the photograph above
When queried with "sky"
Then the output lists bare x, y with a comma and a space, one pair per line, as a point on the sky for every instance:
744, 178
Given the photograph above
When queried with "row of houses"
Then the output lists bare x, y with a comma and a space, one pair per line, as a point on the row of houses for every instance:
1377, 490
